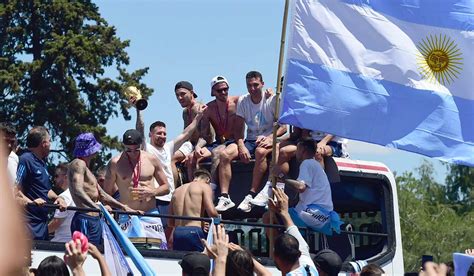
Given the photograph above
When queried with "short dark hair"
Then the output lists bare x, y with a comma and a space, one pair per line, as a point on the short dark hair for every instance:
62, 167
101, 169
254, 74
157, 124
202, 172
287, 248
308, 145
35, 136
239, 262
7, 128
371, 270
52, 265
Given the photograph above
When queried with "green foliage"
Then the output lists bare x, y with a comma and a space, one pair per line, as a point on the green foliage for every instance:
460, 188
429, 224
56, 62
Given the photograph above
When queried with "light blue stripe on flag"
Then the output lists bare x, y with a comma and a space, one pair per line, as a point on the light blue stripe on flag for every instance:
368, 110
356, 73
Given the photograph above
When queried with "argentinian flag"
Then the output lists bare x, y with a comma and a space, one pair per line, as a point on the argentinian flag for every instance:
393, 72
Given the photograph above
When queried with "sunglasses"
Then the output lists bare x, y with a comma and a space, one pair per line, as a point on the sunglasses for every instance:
222, 90
132, 150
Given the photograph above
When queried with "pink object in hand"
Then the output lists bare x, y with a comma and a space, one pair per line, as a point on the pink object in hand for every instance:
84, 241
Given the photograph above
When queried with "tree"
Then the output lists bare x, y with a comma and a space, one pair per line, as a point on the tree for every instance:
460, 187
429, 224
53, 59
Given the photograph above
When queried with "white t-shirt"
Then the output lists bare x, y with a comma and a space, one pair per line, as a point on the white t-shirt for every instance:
12, 166
305, 258
165, 155
318, 189
258, 117
63, 233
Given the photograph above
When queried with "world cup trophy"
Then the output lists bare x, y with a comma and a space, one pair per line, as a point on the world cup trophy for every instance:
135, 97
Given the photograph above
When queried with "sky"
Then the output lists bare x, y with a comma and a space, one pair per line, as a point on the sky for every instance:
197, 40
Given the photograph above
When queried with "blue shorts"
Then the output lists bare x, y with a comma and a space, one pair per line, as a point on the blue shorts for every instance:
188, 238
215, 144
116, 195
251, 145
38, 229
163, 208
336, 148
89, 226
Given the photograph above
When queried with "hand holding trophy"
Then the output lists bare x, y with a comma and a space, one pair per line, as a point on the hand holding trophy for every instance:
135, 97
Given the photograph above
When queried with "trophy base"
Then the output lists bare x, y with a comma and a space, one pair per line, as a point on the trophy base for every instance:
141, 104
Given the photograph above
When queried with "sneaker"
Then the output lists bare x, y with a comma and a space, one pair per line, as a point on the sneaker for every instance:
225, 203
261, 199
245, 205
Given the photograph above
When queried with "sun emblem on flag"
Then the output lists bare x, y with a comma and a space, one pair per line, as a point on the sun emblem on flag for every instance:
439, 59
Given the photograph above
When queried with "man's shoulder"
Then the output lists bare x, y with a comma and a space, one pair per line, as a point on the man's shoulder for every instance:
77, 164
234, 99
26, 157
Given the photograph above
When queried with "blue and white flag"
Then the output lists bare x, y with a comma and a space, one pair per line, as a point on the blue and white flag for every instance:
397, 73
113, 254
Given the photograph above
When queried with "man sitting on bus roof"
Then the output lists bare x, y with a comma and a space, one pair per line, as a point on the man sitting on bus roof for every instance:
220, 115
315, 207
258, 113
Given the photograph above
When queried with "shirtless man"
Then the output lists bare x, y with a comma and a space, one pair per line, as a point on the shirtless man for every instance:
186, 97
134, 172
220, 114
85, 190
193, 199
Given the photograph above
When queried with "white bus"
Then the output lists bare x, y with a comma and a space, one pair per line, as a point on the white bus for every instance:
364, 195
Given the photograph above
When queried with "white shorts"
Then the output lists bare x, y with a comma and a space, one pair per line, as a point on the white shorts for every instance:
186, 148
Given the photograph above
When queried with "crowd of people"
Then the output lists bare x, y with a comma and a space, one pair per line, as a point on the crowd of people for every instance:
142, 179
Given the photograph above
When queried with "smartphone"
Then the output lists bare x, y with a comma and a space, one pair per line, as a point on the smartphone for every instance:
424, 259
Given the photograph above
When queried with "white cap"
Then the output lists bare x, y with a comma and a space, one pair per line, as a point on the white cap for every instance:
218, 79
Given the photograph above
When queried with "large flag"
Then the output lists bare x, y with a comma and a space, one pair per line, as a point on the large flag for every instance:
397, 73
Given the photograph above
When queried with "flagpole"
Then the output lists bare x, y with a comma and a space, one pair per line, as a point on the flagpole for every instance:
277, 112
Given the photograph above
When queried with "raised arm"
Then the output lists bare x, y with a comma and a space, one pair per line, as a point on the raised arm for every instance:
76, 171
188, 131
140, 126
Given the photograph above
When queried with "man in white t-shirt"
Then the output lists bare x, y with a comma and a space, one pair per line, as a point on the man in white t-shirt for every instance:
257, 112
60, 225
315, 207
164, 151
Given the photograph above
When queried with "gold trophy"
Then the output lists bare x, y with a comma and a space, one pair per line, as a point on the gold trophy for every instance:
135, 97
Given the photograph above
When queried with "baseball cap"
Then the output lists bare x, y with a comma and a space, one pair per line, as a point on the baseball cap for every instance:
132, 137
187, 85
328, 261
218, 79
86, 145
196, 264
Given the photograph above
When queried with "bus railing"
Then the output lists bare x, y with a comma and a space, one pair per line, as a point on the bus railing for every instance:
231, 222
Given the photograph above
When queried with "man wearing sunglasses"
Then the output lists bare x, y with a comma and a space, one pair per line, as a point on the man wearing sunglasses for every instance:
220, 114
134, 171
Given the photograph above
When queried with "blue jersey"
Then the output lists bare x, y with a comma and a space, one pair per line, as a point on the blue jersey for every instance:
33, 178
